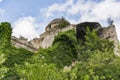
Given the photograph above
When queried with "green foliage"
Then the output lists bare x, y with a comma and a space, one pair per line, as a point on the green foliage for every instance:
63, 23
99, 66
5, 34
39, 71
17, 56
92, 44
11, 57
63, 51
3, 71
95, 59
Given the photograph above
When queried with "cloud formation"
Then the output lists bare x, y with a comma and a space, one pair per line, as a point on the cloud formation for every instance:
86, 10
25, 27
75, 11
1, 0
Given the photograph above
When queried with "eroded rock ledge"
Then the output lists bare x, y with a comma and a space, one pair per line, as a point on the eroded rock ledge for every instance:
53, 28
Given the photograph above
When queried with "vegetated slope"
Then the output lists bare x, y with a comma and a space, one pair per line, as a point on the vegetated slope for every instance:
95, 59
9, 55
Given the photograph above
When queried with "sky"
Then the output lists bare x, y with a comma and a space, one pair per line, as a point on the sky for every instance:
30, 17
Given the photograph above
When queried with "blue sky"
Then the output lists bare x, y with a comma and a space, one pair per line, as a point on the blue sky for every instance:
30, 17
15, 9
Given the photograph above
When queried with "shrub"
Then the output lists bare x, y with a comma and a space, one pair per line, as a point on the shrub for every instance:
63, 50
63, 23
5, 34
39, 72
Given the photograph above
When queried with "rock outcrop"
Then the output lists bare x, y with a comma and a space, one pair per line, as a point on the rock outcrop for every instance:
110, 34
47, 37
22, 43
82, 27
45, 40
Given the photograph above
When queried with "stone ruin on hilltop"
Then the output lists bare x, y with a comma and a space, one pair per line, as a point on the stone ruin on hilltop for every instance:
103, 32
45, 40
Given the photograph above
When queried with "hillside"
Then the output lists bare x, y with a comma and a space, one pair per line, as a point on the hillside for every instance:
57, 25
68, 58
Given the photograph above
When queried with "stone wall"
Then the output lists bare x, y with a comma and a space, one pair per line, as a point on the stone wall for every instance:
21, 43
103, 32
82, 27
110, 34
45, 40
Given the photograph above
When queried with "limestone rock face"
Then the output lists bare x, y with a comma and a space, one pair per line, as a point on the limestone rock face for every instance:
103, 32
46, 39
82, 27
110, 34
53, 24
22, 43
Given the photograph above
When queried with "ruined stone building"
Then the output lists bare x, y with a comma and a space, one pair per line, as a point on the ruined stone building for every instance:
22, 43
45, 40
108, 32
103, 32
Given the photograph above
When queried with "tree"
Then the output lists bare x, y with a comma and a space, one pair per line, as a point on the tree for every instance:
92, 44
5, 34
63, 23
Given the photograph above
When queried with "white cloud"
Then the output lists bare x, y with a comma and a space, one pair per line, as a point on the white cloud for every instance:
1, 0
75, 11
107, 8
86, 10
26, 27
48, 12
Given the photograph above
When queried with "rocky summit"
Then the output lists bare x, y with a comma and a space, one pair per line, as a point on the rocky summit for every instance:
55, 26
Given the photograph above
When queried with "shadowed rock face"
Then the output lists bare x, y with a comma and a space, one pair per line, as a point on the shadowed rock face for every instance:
45, 40
108, 32
81, 29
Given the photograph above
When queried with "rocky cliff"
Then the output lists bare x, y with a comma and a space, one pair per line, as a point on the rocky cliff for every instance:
53, 28
45, 40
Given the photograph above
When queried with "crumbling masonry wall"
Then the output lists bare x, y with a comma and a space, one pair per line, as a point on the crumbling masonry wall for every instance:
45, 40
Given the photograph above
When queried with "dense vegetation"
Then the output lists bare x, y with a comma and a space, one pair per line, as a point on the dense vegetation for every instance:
63, 23
67, 59
5, 37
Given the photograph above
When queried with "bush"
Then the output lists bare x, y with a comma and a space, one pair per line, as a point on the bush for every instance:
92, 44
17, 56
63, 23
95, 59
5, 34
39, 72
63, 50
99, 66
